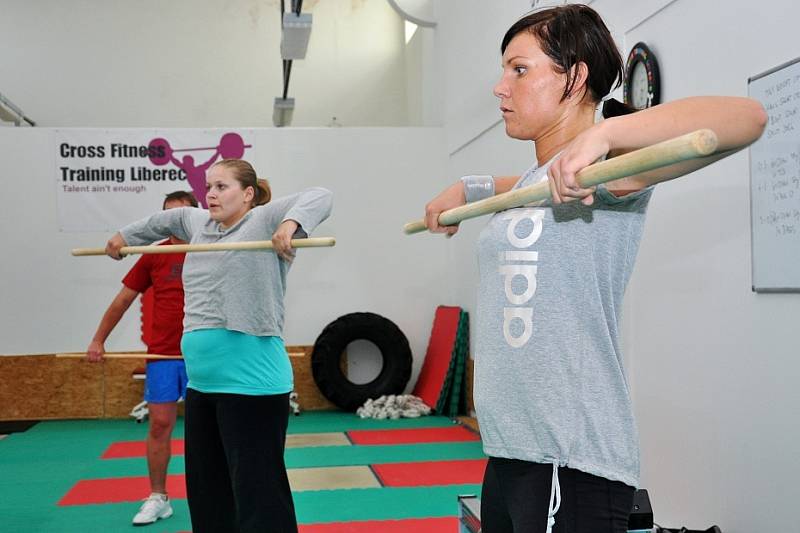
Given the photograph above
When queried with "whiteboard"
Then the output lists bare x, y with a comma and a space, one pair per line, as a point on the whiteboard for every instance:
775, 182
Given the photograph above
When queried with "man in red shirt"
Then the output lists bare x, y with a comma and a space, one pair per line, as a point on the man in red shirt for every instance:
166, 380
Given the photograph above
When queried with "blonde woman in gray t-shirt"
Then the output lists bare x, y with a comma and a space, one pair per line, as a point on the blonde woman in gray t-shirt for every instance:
551, 395
237, 401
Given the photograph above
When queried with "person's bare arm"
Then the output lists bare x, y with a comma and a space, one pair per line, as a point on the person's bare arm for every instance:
110, 319
737, 122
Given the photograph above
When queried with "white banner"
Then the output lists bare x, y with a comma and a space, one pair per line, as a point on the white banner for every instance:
108, 178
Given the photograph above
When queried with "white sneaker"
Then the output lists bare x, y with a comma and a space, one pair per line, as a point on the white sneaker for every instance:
154, 507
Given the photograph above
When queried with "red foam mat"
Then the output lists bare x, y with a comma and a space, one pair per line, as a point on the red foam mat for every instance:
431, 473
128, 449
136, 448
437, 357
417, 525
412, 436
121, 489
131, 489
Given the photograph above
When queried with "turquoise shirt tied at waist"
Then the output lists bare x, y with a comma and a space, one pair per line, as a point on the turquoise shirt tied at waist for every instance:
221, 360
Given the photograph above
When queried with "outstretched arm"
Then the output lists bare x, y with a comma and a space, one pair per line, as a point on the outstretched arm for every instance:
180, 222
737, 122
110, 319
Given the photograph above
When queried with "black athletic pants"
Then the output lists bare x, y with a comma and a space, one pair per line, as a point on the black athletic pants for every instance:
516, 499
235, 475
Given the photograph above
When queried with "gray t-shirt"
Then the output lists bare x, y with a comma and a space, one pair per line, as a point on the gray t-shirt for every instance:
236, 290
549, 382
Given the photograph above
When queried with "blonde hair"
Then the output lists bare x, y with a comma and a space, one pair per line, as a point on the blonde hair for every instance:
245, 174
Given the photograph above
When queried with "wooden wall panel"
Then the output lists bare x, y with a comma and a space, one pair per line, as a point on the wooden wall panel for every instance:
36, 387
309, 396
122, 392
41, 387
470, 421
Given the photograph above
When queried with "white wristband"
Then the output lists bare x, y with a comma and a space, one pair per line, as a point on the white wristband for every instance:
477, 187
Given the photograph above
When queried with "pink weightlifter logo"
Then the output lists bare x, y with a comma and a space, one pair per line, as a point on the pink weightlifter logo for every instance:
231, 146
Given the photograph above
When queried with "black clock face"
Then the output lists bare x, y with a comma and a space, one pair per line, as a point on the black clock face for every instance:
642, 87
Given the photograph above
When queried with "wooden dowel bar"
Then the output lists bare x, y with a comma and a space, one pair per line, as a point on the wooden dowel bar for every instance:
314, 242
700, 143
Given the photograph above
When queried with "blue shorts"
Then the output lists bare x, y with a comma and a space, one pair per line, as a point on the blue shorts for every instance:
166, 381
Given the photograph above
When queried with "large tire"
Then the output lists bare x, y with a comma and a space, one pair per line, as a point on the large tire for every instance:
328, 349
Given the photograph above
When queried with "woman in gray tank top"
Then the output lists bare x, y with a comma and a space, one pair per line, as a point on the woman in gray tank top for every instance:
550, 392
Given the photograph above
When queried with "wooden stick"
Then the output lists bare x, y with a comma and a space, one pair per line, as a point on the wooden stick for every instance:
315, 242
81, 355
700, 143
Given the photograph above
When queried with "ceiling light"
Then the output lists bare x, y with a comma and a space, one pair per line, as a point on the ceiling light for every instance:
295, 35
282, 112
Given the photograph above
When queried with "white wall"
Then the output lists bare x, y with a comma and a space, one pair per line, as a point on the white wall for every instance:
712, 362
713, 366
52, 302
468, 45
184, 63
423, 79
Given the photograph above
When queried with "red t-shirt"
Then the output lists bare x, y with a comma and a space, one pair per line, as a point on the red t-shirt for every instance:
162, 272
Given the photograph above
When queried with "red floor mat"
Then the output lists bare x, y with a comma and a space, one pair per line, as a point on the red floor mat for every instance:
131, 489
117, 490
417, 525
412, 436
136, 448
431, 473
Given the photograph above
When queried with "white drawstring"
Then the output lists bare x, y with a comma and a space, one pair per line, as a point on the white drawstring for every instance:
555, 499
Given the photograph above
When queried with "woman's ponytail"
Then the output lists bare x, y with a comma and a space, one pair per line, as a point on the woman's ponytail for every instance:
263, 192
614, 108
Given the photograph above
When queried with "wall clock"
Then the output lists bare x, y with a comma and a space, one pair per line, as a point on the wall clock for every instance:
642, 87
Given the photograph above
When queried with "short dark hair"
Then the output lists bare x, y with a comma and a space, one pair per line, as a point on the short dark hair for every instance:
183, 196
573, 34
